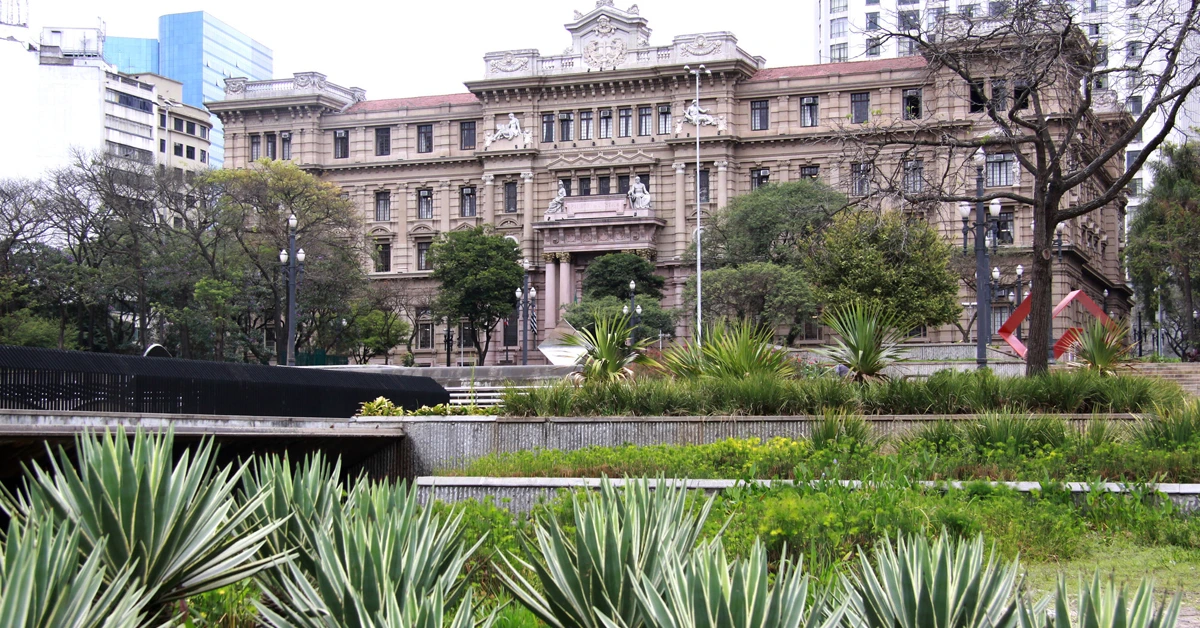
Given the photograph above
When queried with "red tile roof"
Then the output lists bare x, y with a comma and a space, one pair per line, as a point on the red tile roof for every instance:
418, 101
830, 69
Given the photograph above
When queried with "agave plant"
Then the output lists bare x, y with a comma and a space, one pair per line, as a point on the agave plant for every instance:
609, 352
709, 592
377, 555
45, 582
1100, 346
1105, 605
915, 585
623, 540
174, 525
730, 349
868, 339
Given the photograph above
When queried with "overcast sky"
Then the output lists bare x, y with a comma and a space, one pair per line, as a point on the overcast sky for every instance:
408, 48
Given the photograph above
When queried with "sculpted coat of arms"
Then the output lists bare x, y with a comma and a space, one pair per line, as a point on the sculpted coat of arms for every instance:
605, 51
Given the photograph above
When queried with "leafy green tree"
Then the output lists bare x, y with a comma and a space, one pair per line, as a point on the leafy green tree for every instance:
774, 224
902, 264
1164, 240
479, 273
376, 333
767, 295
653, 319
609, 275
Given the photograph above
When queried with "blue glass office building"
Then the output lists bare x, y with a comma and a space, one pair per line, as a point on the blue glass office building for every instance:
199, 51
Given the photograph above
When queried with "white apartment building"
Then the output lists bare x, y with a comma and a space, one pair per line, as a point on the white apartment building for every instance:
851, 30
184, 131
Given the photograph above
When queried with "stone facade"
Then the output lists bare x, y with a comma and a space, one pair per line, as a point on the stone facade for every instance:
593, 120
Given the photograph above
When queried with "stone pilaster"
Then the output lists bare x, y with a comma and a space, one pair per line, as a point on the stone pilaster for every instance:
680, 207
527, 217
488, 210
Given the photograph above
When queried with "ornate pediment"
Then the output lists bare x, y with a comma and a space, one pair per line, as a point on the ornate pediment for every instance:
604, 36
599, 159
421, 229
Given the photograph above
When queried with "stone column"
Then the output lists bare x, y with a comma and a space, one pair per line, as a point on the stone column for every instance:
442, 203
782, 172
566, 275
680, 208
551, 296
722, 183
527, 217
489, 197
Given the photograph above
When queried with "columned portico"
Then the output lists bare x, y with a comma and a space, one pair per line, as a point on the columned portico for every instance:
566, 276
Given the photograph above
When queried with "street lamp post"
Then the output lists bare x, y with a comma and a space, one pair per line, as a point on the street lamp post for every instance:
632, 292
449, 340
982, 289
295, 266
524, 297
699, 327
1020, 273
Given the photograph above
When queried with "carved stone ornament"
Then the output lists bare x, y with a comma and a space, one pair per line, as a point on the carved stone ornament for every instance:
510, 131
604, 3
697, 116
510, 63
578, 15
309, 79
604, 26
604, 53
633, 10
235, 85
699, 46
642, 42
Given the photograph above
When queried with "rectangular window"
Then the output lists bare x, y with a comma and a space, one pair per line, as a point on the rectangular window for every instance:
1093, 30
912, 104
191, 152
178, 124
605, 124
1131, 157
967, 10
839, 52
203, 156
512, 324
285, 145
1021, 93
585, 186
1000, 94
466, 202
860, 107
383, 206
162, 146
914, 176
838, 6
978, 97
810, 172
623, 184
383, 257
605, 185
424, 335
664, 119
424, 204
909, 20
1135, 105
424, 138
423, 256
547, 127
566, 126
873, 21
466, 335
759, 177
1000, 169
872, 2
162, 120
625, 127
566, 185
704, 186
860, 179
644, 114
466, 135
997, 8
270, 146
255, 148
874, 46
760, 115
383, 141
510, 197
838, 27
585, 125
203, 131
341, 144
1135, 187
191, 128
1004, 227
809, 110
907, 2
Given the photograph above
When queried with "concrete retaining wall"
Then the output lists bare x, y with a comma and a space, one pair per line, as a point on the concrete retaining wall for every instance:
456, 376
520, 495
432, 444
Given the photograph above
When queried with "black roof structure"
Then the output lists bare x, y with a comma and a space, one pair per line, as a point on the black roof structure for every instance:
49, 379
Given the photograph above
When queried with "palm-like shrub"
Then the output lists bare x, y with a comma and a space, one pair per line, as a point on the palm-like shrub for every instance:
709, 592
378, 555
949, 584
45, 582
1101, 347
868, 339
608, 353
730, 349
174, 525
623, 539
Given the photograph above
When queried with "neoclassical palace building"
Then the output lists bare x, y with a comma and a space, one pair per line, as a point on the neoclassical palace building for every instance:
594, 150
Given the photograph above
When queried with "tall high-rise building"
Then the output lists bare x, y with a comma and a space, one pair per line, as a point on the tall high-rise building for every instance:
199, 51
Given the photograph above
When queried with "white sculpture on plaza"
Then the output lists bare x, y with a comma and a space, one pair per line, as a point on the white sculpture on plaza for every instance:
698, 116
556, 205
639, 196
510, 131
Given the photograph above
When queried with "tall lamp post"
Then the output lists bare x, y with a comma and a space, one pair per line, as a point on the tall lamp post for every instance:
983, 226
449, 340
696, 73
524, 297
295, 266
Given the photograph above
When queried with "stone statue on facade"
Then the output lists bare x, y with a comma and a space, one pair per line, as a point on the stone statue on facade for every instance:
639, 196
510, 131
698, 116
556, 204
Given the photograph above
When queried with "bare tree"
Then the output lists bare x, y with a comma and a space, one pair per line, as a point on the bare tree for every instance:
1029, 75
23, 218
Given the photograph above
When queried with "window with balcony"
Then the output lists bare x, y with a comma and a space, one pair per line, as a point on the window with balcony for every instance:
760, 115
510, 197
604, 185
466, 202
566, 126
860, 107
547, 127
623, 184
585, 125
341, 144
383, 206
424, 204
466, 135
999, 170
424, 138
644, 114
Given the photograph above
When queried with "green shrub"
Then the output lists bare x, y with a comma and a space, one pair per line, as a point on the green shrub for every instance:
1014, 433
1170, 428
